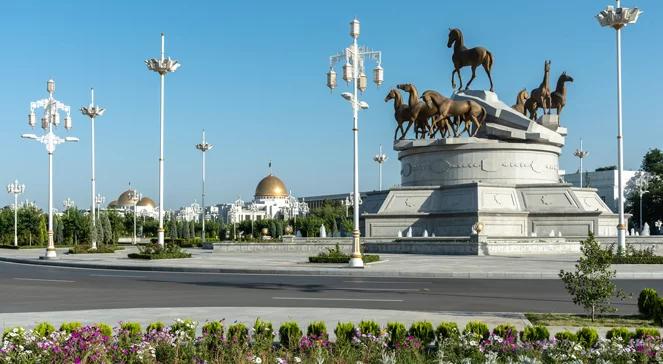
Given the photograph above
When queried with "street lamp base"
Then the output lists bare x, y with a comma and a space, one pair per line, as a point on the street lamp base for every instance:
50, 254
356, 263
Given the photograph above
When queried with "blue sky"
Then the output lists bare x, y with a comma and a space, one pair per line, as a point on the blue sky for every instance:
253, 75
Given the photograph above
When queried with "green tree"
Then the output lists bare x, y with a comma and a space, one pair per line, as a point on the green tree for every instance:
591, 285
185, 230
58, 231
99, 226
43, 230
652, 201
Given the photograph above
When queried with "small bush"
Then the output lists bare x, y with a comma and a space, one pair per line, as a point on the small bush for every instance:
535, 333
647, 299
155, 251
478, 328
566, 335
263, 330
642, 332
131, 328
238, 332
44, 329
397, 333
422, 330
186, 326
621, 332
505, 331
344, 332
70, 327
317, 329
105, 329
155, 326
213, 328
369, 327
290, 334
587, 336
447, 330
657, 311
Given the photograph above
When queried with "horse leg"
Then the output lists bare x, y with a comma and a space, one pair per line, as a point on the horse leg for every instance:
474, 74
409, 124
490, 78
460, 79
453, 81
476, 125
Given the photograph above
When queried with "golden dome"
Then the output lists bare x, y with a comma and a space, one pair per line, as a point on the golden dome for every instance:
271, 186
125, 198
147, 202
112, 204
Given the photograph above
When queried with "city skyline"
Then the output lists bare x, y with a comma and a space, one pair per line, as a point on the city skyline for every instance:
261, 94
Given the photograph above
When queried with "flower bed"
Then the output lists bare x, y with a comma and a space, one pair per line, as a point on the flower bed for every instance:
155, 251
101, 249
366, 342
336, 255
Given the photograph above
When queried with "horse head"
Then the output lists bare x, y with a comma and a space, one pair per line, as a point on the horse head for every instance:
564, 77
454, 35
407, 87
523, 95
547, 66
391, 95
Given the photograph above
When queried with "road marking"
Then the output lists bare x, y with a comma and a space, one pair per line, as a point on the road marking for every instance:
384, 282
44, 280
115, 276
335, 299
377, 289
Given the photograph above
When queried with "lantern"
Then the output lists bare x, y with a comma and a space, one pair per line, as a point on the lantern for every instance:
354, 28
378, 75
347, 72
44, 122
363, 82
331, 79
67, 122
32, 119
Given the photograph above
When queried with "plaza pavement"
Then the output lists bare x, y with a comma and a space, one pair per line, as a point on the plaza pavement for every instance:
391, 265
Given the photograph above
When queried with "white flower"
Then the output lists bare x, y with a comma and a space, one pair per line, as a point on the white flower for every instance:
257, 360
298, 359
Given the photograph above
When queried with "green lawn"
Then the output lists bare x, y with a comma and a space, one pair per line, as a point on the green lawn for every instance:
566, 319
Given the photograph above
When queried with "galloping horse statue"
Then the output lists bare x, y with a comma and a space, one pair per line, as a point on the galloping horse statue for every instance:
472, 57
559, 95
420, 112
521, 98
401, 111
466, 111
540, 96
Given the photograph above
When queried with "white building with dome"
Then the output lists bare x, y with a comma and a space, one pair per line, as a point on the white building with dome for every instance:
271, 201
145, 206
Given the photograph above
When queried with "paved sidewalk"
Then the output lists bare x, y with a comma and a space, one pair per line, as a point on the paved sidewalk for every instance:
391, 265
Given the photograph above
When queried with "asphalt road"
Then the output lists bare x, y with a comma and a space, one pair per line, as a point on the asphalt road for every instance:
31, 288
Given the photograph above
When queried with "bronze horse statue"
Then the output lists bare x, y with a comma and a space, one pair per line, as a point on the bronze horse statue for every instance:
540, 97
559, 95
521, 98
420, 112
466, 111
472, 57
401, 111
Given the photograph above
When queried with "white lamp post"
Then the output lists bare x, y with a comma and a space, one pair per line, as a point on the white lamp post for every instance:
617, 18
581, 154
161, 66
99, 200
17, 189
50, 119
642, 184
203, 147
134, 197
93, 111
353, 71
380, 158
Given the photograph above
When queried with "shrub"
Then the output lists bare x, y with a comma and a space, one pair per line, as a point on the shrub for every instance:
621, 332
587, 336
369, 327
155, 251
397, 333
213, 328
131, 328
566, 335
70, 327
155, 326
238, 332
186, 326
44, 329
422, 330
263, 330
657, 311
534, 333
336, 255
647, 299
642, 332
478, 328
289, 334
344, 332
105, 329
505, 330
317, 329
446, 330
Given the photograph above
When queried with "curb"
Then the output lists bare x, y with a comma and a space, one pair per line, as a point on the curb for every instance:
331, 272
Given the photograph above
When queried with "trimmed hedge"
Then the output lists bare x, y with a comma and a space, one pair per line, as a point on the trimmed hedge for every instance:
154, 251
626, 259
647, 301
101, 249
368, 258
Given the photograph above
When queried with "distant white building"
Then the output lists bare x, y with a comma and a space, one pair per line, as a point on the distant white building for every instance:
189, 213
606, 183
144, 207
271, 201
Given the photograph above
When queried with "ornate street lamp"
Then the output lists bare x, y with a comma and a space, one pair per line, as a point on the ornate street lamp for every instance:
203, 147
353, 71
93, 111
17, 189
580, 153
98, 201
161, 66
617, 18
134, 197
642, 184
49, 120
380, 158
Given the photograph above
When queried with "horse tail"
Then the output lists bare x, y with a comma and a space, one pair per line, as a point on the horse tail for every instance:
489, 61
482, 114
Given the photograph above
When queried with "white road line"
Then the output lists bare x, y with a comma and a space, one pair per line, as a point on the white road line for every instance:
44, 280
335, 299
383, 282
377, 289
115, 276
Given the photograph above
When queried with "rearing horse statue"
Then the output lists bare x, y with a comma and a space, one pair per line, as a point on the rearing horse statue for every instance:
419, 111
540, 96
472, 57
